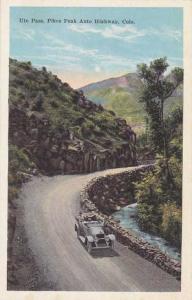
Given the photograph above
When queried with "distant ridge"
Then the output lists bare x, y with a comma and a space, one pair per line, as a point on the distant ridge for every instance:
128, 81
121, 94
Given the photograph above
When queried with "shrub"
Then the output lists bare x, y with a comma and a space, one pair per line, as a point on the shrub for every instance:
44, 69
54, 104
15, 71
53, 84
149, 217
38, 105
18, 160
171, 226
12, 193
26, 65
159, 200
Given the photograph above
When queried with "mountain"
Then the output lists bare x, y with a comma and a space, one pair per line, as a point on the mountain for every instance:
130, 82
56, 129
121, 94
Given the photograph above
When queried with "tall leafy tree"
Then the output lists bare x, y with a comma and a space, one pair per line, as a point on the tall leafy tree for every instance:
158, 87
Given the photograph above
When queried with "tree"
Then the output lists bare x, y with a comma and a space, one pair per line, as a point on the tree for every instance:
157, 89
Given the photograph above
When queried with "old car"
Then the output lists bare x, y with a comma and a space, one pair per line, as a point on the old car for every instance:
93, 233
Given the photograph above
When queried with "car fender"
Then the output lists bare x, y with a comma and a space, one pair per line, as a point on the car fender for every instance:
90, 238
111, 237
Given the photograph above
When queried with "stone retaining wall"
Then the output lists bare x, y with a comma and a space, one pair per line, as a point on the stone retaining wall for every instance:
96, 197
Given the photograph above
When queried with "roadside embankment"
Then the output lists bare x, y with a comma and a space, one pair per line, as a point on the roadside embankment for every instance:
106, 194
23, 272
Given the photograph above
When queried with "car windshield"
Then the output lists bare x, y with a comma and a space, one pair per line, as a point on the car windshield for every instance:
94, 224
95, 230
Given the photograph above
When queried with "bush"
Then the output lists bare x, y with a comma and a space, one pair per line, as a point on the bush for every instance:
12, 193
18, 160
38, 105
26, 65
171, 226
53, 84
159, 197
44, 69
149, 217
15, 71
87, 128
54, 104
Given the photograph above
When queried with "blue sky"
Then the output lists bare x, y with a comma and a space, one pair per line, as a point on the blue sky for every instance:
84, 53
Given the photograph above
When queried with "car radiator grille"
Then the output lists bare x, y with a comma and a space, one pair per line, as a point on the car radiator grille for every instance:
101, 242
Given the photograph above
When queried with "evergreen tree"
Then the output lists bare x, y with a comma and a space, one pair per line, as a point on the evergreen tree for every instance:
157, 89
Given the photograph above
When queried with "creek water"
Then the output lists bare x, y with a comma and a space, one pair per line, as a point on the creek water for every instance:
127, 217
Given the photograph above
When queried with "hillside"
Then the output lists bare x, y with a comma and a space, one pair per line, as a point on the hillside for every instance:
121, 94
59, 130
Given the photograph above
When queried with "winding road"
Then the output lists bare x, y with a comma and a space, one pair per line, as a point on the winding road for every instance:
50, 204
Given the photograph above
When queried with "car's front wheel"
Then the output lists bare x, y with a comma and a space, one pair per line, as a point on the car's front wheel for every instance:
112, 244
89, 247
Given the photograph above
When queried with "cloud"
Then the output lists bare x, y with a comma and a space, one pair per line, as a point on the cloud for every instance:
174, 34
126, 33
55, 53
24, 34
58, 44
167, 32
97, 69
95, 55
49, 57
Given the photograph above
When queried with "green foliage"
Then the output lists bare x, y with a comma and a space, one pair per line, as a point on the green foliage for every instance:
158, 188
13, 192
38, 103
149, 217
54, 104
177, 74
174, 129
18, 160
19, 163
87, 128
171, 226
157, 89
44, 69
159, 194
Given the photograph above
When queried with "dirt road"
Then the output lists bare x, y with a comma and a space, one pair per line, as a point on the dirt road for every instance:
50, 205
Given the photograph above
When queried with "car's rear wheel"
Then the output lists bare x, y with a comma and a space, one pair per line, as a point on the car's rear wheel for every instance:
77, 230
77, 233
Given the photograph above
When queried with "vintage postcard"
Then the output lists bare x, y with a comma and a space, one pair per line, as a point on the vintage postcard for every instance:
95, 123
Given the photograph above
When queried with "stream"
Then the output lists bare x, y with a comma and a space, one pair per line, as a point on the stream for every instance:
127, 219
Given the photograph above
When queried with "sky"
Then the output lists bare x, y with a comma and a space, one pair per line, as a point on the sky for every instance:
82, 53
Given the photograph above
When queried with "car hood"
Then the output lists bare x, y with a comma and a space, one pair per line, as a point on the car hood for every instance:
96, 230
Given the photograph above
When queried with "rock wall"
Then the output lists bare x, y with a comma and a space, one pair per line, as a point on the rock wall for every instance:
110, 193
100, 197
59, 151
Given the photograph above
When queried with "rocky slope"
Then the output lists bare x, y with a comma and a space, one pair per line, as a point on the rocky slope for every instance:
121, 94
59, 129
54, 129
